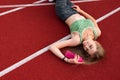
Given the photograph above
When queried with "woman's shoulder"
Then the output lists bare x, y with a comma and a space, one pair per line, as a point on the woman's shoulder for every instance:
96, 32
75, 38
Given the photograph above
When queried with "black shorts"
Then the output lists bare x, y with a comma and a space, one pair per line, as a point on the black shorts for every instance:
64, 9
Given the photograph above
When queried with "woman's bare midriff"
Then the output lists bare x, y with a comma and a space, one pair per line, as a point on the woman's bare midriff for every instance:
73, 18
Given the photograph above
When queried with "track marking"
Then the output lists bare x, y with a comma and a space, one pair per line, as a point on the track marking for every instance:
34, 55
19, 8
43, 4
109, 14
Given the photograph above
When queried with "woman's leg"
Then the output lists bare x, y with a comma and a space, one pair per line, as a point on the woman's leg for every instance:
69, 3
60, 4
64, 9
63, 3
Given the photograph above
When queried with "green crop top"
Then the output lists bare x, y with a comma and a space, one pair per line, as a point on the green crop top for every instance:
80, 25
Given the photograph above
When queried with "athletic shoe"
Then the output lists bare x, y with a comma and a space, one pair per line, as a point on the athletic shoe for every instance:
51, 0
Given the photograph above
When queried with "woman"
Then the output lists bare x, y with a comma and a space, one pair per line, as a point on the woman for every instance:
84, 31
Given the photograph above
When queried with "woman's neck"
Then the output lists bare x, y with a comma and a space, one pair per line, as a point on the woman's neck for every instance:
88, 35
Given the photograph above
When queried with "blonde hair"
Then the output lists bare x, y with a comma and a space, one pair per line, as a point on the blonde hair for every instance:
89, 59
98, 55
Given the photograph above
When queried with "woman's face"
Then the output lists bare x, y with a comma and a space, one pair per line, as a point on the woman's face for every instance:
89, 45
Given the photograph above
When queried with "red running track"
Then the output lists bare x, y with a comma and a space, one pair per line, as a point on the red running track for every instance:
28, 30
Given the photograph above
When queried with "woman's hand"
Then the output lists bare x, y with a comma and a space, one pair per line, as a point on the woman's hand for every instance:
75, 60
77, 8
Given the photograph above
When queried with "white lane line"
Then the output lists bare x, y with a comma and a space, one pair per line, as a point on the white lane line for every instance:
25, 60
43, 4
34, 55
109, 14
19, 8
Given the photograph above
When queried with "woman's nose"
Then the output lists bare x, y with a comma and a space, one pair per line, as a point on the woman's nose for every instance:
87, 47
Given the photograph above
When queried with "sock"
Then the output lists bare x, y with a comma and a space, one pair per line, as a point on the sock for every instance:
51, 0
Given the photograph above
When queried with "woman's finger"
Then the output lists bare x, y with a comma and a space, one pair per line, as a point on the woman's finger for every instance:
80, 63
74, 6
76, 57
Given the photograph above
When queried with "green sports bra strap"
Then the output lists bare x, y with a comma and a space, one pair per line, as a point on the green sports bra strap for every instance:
95, 33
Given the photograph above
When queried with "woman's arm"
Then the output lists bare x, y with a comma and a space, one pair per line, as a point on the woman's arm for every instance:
55, 49
89, 17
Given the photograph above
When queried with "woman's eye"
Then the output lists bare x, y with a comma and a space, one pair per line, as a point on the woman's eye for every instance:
90, 46
86, 49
